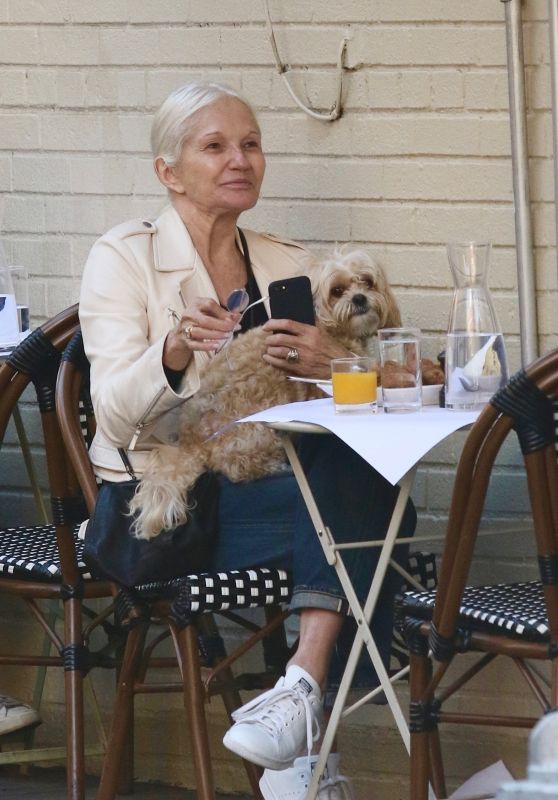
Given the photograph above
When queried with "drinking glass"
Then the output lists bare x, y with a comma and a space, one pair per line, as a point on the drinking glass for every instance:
20, 280
400, 369
476, 364
354, 382
9, 327
476, 367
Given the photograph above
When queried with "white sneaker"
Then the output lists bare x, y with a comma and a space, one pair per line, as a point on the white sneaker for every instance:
293, 783
279, 725
15, 715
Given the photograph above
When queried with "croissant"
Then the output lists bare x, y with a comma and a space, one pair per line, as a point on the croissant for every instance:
432, 372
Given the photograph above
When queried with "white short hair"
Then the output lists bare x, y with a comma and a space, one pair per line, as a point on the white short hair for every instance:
172, 121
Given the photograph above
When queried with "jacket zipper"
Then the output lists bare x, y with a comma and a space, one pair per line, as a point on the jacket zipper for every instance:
140, 425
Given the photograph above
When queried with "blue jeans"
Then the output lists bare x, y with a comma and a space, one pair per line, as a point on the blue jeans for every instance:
265, 523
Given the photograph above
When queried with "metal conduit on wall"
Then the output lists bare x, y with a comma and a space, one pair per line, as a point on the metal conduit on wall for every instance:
520, 167
553, 35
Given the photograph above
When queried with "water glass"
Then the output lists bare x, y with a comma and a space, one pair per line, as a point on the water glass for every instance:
400, 369
354, 382
9, 327
20, 280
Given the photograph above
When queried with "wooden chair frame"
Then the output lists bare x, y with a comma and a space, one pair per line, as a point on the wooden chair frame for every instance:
205, 668
36, 361
436, 638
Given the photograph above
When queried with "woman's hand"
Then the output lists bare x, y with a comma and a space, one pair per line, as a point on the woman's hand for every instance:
204, 325
299, 349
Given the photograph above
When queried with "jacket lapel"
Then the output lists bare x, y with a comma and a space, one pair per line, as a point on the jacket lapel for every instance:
173, 251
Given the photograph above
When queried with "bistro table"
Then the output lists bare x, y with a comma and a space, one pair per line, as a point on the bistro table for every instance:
393, 444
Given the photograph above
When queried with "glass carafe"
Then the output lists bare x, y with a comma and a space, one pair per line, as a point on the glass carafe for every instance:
476, 364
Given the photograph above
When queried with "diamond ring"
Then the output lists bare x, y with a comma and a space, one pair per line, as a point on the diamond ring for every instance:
292, 355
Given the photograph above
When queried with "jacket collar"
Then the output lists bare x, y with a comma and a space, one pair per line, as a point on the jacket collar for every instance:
173, 250
172, 246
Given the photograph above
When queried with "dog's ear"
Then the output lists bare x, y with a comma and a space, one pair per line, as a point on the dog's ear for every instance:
394, 314
313, 268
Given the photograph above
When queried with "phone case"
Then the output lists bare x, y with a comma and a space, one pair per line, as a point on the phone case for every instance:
291, 298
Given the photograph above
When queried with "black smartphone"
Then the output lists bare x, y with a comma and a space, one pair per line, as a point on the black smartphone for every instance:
291, 298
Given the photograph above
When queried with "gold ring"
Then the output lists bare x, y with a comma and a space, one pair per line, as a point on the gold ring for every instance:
188, 331
292, 355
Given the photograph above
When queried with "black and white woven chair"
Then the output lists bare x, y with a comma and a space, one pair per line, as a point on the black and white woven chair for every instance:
44, 562
185, 608
517, 620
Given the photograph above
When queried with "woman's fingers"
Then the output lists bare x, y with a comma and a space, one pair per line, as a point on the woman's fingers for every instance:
206, 325
203, 326
208, 319
194, 332
300, 349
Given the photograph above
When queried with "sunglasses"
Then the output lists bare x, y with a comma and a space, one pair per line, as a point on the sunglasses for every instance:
238, 302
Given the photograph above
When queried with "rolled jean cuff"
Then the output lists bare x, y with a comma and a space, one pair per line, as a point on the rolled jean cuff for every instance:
314, 598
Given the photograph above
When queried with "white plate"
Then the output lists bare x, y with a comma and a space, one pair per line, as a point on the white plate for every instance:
431, 395
324, 385
308, 380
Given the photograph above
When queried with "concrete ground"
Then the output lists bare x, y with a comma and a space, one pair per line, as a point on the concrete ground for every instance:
50, 784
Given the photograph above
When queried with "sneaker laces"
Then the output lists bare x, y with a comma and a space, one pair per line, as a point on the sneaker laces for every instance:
7, 702
269, 711
341, 786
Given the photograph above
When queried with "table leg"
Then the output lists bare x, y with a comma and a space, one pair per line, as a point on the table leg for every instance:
362, 615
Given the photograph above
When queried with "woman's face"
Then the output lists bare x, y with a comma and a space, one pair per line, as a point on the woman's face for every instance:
222, 165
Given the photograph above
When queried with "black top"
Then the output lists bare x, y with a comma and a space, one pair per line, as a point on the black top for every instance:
252, 319
258, 315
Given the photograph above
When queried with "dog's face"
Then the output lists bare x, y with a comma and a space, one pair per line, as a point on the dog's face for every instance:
352, 295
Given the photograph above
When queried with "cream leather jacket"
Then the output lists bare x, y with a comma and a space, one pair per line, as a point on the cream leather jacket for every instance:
134, 274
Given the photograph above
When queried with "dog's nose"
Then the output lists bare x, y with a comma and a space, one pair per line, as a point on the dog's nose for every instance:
360, 300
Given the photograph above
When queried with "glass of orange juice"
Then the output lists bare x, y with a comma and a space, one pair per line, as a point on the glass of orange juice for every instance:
354, 382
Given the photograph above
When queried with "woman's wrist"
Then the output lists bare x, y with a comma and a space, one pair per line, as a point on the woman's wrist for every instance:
176, 357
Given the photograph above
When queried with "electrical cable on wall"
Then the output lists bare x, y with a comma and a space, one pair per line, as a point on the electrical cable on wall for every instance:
337, 107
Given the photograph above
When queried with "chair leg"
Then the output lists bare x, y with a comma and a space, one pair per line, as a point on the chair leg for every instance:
420, 672
206, 626
437, 775
186, 639
75, 760
125, 784
554, 683
122, 717
231, 701
73, 690
276, 650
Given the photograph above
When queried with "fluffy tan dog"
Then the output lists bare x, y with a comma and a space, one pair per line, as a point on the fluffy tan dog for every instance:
352, 300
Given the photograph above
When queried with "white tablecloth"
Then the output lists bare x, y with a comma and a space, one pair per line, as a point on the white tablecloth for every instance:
391, 443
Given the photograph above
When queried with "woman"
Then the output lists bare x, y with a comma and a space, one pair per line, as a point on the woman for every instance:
153, 310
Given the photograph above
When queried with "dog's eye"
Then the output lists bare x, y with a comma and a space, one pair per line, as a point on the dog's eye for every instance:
368, 282
337, 291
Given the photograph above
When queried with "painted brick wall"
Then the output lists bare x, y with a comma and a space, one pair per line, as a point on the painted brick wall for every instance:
421, 155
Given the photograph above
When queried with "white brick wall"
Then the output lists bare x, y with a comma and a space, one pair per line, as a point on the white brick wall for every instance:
421, 155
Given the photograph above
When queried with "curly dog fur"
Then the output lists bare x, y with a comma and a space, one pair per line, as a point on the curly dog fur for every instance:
352, 300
